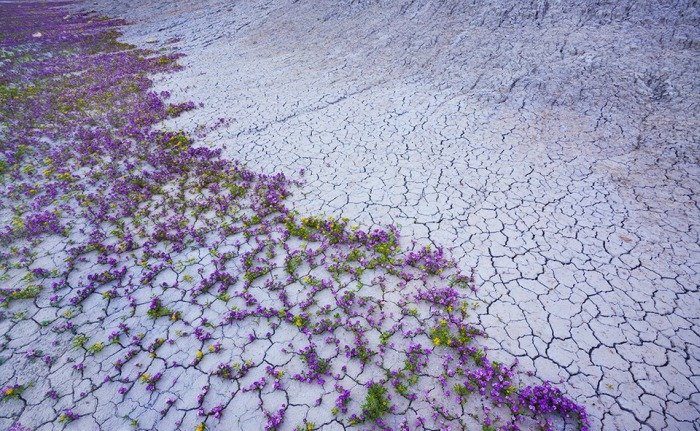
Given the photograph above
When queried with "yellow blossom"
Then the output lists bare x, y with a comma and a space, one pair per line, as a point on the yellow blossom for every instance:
298, 321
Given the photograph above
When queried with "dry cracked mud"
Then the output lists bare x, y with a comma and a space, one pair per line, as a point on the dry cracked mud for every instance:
552, 146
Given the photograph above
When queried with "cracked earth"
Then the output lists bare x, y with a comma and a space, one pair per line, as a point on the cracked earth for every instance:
551, 146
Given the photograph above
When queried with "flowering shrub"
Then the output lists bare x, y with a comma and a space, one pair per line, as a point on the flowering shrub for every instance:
68, 415
164, 248
156, 309
13, 391
432, 262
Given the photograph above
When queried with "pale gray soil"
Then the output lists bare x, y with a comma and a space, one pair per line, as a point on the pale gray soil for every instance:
551, 145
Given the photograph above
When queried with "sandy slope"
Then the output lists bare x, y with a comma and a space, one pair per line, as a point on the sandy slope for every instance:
552, 145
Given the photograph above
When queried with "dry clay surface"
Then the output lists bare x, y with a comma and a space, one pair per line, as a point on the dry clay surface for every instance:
553, 146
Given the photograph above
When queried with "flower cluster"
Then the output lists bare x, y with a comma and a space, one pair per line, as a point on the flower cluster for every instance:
12, 391
68, 415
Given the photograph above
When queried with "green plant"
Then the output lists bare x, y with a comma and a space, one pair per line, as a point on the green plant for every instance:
376, 403
80, 340
293, 263
96, 348
28, 292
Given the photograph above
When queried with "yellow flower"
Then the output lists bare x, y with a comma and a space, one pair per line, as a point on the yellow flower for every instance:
200, 427
436, 341
199, 355
9, 392
298, 321
18, 223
